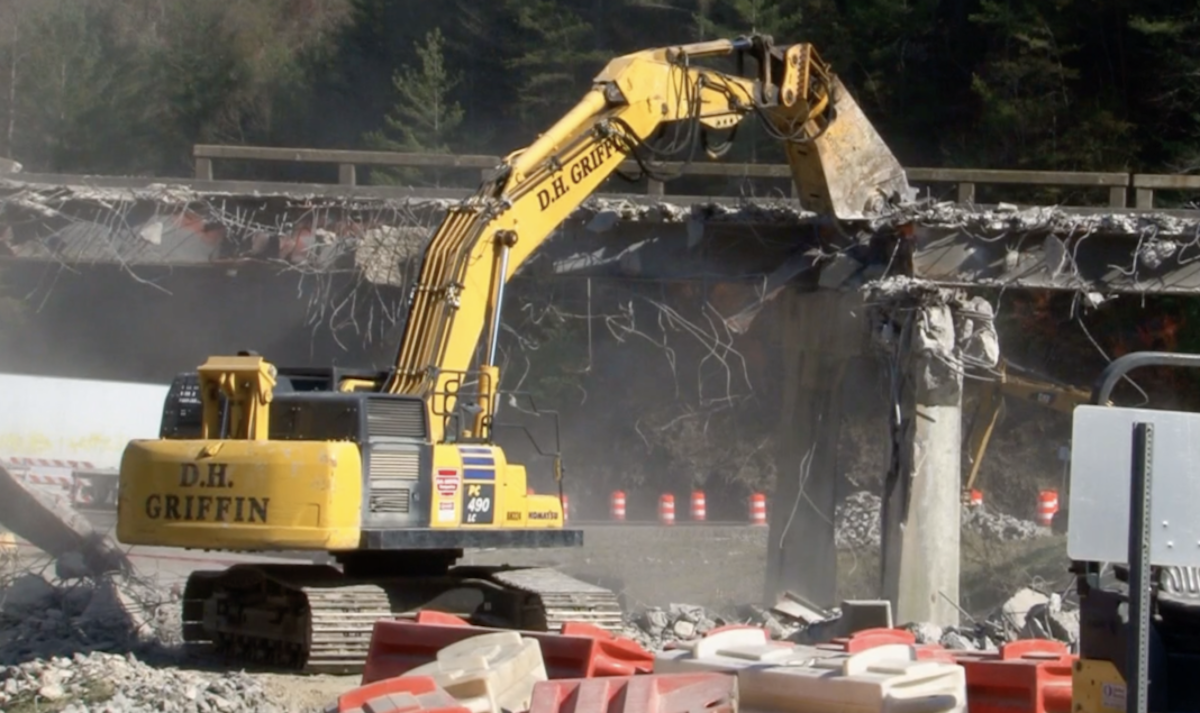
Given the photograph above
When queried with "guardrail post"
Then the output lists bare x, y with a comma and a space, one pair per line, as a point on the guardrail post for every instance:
204, 169
654, 188
1144, 198
347, 174
966, 192
1118, 197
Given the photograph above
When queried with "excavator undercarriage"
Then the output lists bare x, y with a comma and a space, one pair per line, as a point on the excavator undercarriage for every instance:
319, 619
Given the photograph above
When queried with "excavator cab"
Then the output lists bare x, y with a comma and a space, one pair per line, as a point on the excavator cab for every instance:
1134, 530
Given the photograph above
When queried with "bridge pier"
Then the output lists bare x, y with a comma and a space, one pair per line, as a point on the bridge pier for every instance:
926, 335
822, 332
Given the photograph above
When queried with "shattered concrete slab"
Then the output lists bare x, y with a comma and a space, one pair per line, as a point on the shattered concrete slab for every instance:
54, 527
380, 231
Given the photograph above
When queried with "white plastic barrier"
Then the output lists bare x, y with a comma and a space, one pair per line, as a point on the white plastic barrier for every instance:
489, 673
780, 678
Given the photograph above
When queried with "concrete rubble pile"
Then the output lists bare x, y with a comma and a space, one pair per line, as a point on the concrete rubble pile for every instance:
111, 683
858, 523
41, 618
1028, 614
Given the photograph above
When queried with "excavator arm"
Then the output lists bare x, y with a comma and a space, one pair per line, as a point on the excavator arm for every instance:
839, 163
1021, 384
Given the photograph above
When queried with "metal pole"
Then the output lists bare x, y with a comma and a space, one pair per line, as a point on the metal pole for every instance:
503, 277
1137, 656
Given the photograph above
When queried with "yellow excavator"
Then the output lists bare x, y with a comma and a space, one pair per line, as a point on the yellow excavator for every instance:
1019, 383
395, 473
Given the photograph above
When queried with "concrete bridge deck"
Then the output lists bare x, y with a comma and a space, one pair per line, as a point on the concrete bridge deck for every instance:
326, 227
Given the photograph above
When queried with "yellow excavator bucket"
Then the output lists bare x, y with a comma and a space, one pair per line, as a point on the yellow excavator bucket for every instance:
847, 169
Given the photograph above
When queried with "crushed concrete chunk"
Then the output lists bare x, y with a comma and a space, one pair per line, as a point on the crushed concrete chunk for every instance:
1019, 605
28, 594
71, 565
684, 629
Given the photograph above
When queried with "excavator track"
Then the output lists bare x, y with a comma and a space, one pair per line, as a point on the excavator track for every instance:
565, 598
315, 620
340, 623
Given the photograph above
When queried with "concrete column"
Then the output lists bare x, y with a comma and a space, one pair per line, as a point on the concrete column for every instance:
821, 334
925, 340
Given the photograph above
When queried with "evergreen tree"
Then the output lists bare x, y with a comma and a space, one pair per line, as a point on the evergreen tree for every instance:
731, 18
424, 119
555, 59
1172, 32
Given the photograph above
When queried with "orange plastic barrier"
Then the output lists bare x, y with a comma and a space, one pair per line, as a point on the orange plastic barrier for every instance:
664, 693
427, 616
666, 509
870, 638
394, 695
1027, 676
580, 651
758, 509
699, 508
617, 510
1047, 507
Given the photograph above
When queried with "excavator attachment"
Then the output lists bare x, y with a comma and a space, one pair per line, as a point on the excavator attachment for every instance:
846, 169
54, 527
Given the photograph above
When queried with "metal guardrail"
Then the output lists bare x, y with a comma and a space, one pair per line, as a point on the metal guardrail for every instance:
966, 179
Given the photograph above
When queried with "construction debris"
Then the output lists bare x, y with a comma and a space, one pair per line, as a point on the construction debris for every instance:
122, 684
52, 526
40, 619
858, 523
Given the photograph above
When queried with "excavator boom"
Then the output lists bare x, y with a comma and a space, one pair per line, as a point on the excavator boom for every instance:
839, 163
1021, 384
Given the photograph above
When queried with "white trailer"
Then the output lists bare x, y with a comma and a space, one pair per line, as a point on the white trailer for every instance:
66, 436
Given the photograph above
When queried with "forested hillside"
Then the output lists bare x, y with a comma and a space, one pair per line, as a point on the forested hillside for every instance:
127, 86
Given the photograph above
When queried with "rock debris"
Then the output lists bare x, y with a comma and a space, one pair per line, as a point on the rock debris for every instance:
39, 619
111, 683
858, 524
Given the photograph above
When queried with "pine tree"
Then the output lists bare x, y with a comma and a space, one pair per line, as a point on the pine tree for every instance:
556, 57
424, 119
1172, 84
731, 18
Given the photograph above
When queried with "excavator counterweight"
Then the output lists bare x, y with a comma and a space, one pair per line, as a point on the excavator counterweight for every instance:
395, 473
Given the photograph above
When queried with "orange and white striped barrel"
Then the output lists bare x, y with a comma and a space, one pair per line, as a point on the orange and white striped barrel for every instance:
1047, 506
975, 498
758, 509
566, 503
617, 509
699, 510
666, 509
